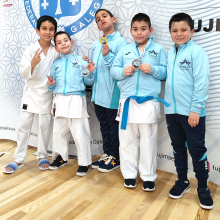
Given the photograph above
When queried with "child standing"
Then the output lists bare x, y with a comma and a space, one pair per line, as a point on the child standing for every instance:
69, 105
105, 91
35, 66
139, 67
186, 91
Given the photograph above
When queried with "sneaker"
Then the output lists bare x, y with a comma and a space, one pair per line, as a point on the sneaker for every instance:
205, 198
148, 186
109, 165
179, 189
58, 162
130, 183
99, 162
83, 170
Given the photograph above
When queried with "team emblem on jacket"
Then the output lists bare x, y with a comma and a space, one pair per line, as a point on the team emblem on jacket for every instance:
62, 9
185, 64
152, 54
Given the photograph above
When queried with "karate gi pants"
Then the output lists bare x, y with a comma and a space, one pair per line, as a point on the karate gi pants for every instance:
44, 125
79, 128
145, 136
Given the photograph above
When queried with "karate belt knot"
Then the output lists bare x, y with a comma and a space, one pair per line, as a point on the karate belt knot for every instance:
139, 100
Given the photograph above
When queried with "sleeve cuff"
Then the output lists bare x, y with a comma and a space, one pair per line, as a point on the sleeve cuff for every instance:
122, 74
155, 71
107, 56
196, 110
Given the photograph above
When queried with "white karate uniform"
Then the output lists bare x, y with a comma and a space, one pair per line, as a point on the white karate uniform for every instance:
36, 100
71, 117
142, 130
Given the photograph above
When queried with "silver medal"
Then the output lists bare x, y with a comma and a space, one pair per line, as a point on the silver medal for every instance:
85, 71
136, 63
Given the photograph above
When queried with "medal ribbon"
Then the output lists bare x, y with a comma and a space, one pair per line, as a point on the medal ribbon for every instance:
76, 60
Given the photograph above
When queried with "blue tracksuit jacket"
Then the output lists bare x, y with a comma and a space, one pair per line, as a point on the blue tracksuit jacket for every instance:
187, 80
105, 91
140, 83
68, 77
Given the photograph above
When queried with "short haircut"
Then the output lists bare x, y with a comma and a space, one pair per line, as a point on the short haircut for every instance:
181, 17
46, 18
59, 33
102, 9
141, 17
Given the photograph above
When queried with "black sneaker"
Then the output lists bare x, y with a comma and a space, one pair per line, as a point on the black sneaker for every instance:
148, 186
83, 170
58, 162
99, 162
205, 198
109, 165
130, 183
179, 189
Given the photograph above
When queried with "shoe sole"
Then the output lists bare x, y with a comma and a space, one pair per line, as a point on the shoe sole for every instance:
130, 186
95, 166
56, 168
106, 171
83, 174
148, 190
178, 197
206, 207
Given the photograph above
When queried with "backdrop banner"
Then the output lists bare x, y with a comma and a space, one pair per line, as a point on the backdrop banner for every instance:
17, 32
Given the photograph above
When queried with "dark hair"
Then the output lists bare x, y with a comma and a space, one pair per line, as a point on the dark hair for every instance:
181, 17
46, 18
141, 17
59, 33
102, 9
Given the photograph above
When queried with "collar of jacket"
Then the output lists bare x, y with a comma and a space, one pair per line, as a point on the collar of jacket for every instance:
183, 46
112, 36
150, 40
71, 55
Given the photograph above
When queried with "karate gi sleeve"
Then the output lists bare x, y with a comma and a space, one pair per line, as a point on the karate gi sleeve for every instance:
25, 65
201, 75
117, 69
52, 73
160, 71
110, 57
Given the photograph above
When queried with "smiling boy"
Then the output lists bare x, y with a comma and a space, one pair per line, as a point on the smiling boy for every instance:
36, 101
139, 67
69, 105
186, 90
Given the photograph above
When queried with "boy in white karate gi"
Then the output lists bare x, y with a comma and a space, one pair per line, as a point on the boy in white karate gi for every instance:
34, 67
139, 67
69, 104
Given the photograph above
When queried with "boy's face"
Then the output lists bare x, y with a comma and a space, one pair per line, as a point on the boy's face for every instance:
181, 32
47, 31
140, 31
104, 21
63, 44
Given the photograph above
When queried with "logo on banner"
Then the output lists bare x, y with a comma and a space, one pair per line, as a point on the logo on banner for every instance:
64, 8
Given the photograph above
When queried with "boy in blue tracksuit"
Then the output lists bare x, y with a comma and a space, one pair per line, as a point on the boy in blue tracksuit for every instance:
105, 93
186, 91
69, 105
139, 67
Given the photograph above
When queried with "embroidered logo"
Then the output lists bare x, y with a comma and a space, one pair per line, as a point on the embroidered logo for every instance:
153, 54
64, 8
185, 64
